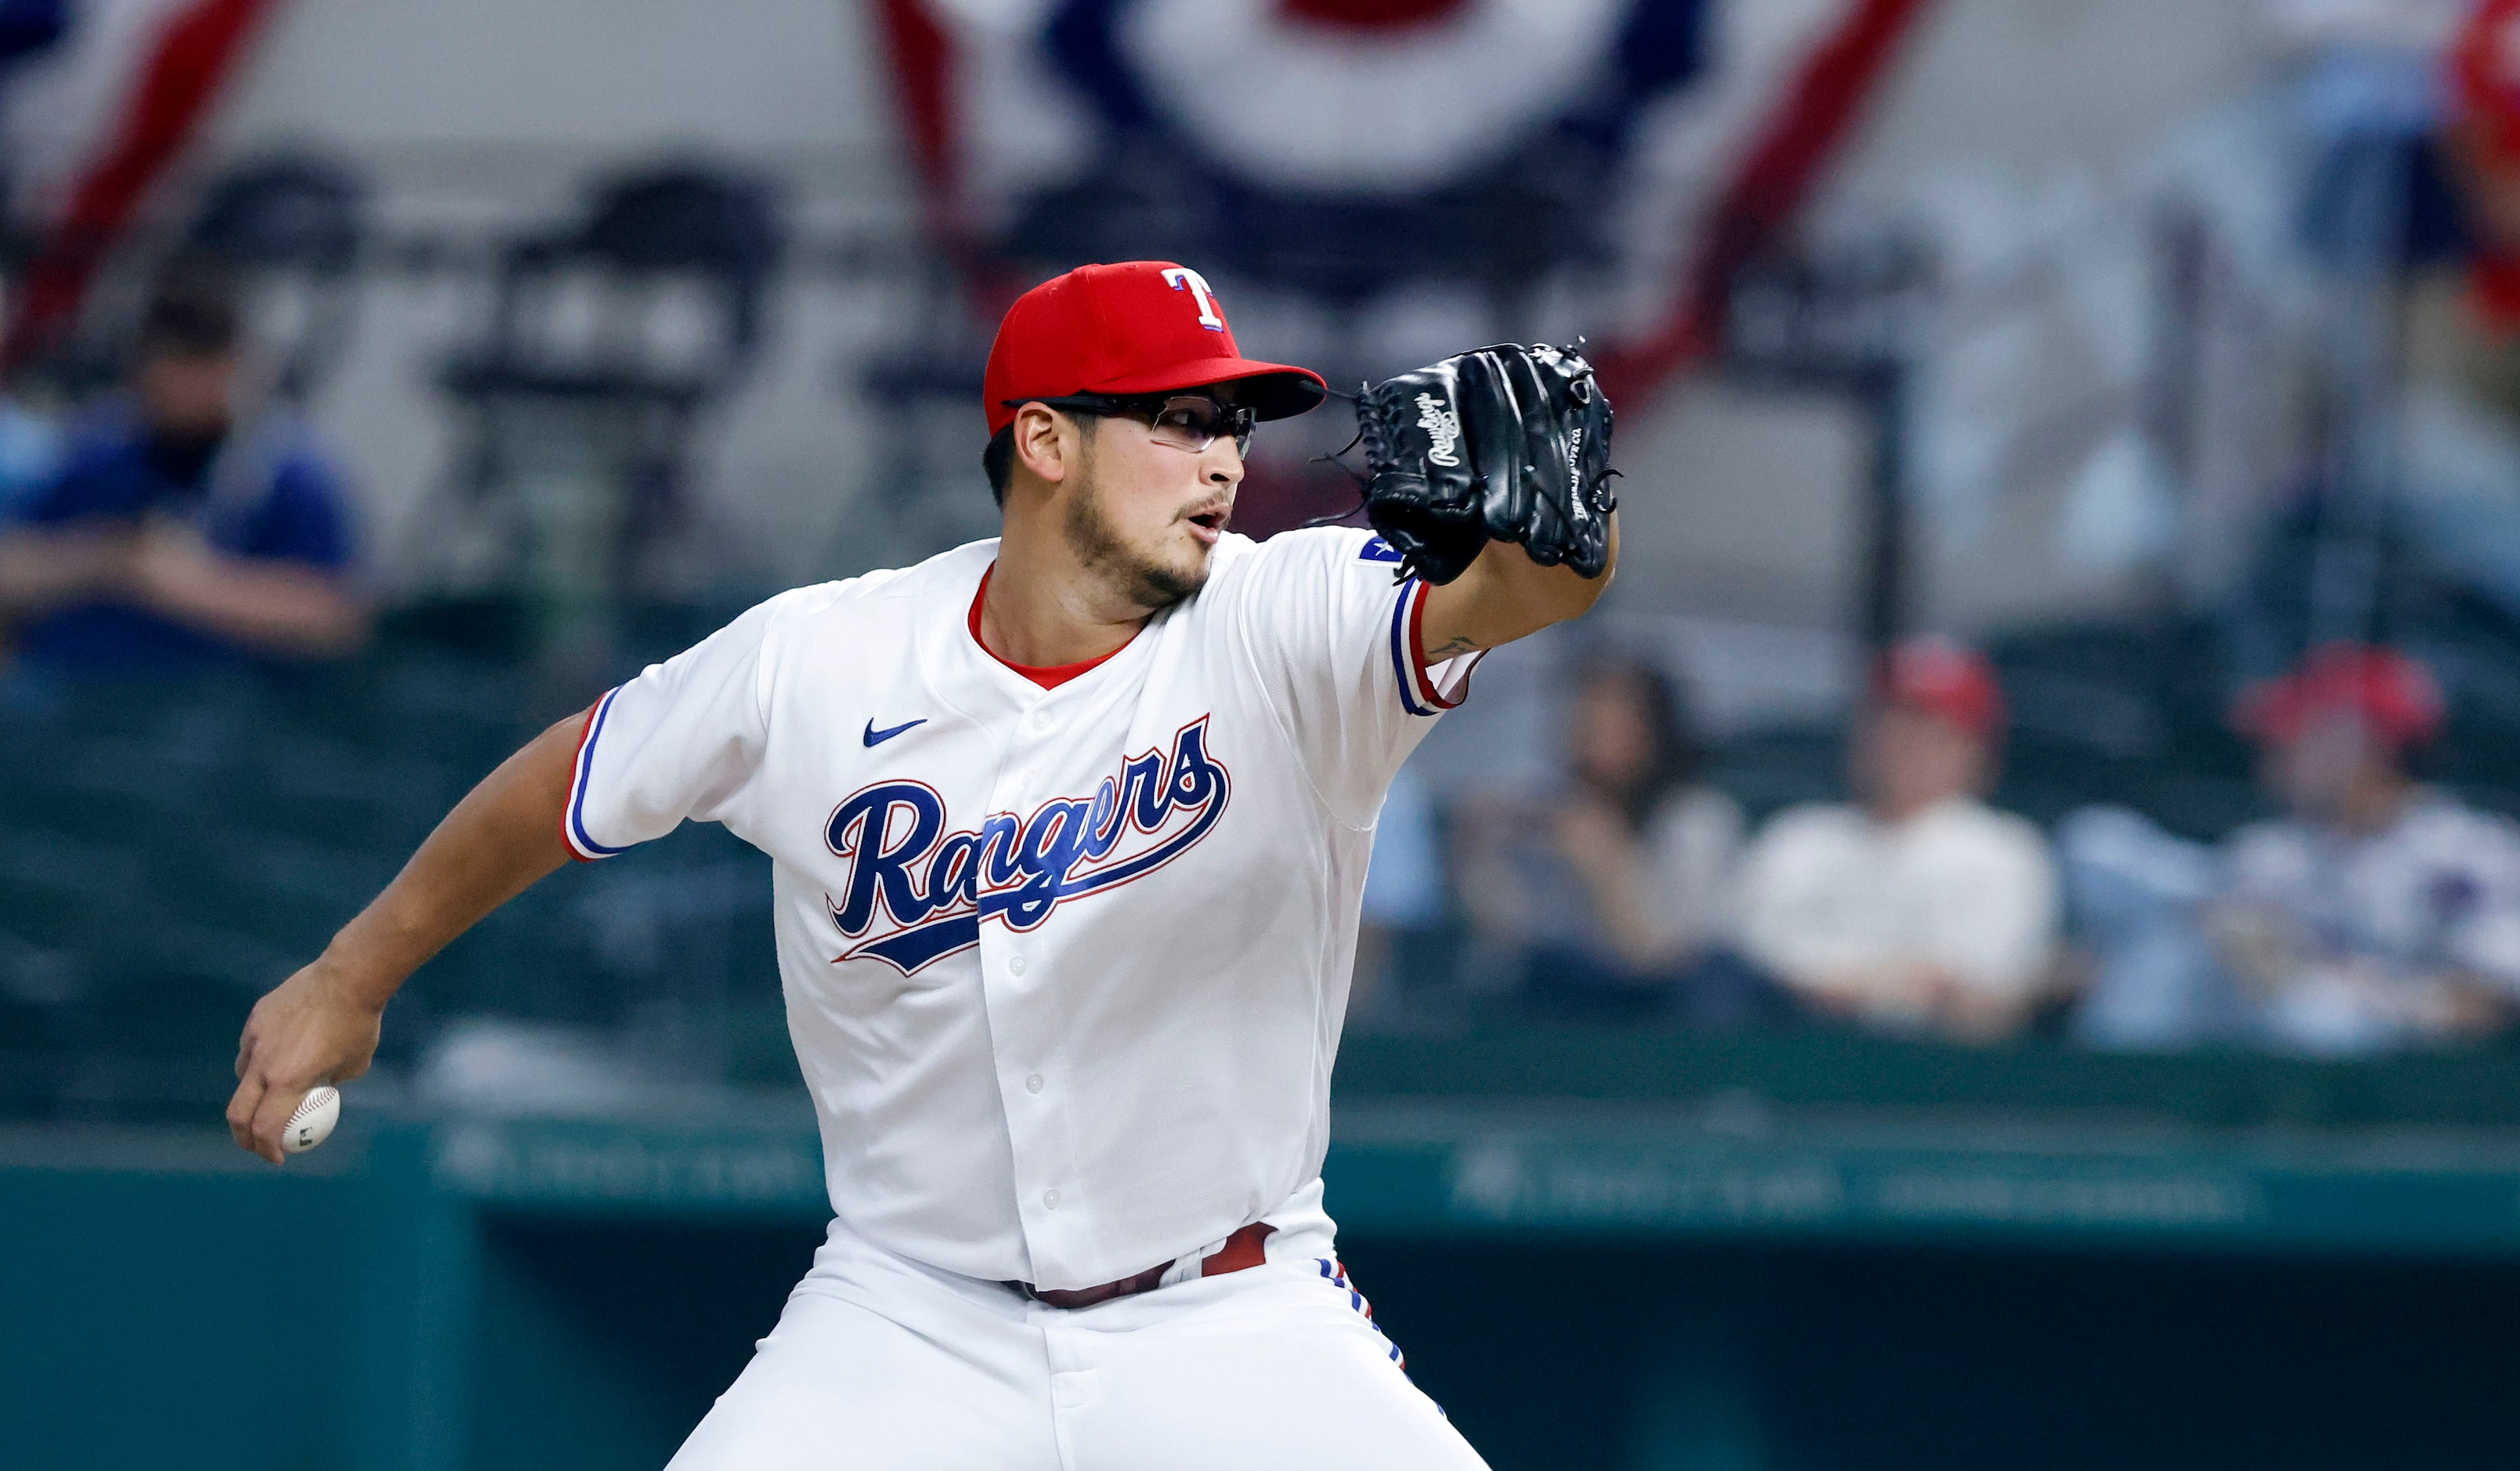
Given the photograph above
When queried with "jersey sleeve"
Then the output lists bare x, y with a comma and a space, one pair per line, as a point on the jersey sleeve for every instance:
1337, 647
684, 739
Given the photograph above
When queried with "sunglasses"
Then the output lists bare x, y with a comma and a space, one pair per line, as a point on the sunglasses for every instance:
1185, 420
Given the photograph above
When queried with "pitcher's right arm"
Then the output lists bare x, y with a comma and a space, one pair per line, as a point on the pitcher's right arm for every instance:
321, 1025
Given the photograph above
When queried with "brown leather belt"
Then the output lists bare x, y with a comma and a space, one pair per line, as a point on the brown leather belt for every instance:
1245, 1248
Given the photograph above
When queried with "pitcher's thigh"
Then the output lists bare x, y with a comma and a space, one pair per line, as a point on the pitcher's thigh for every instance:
1315, 1388
838, 1386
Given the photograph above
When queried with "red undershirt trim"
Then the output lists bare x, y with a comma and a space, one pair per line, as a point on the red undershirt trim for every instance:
1048, 676
1419, 667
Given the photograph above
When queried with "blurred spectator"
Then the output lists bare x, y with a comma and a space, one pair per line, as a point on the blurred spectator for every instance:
187, 524
2375, 914
2134, 893
1614, 893
1923, 907
1403, 895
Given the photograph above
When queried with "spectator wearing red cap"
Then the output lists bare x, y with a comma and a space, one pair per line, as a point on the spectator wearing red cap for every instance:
1922, 908
2378, 911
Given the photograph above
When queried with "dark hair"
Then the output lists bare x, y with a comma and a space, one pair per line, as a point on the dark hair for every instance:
193, 311
1677, 758
998, 463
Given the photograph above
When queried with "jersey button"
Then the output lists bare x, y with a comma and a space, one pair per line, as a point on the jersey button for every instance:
1041, 720
1032, 1085
1015, 966
1049, 1200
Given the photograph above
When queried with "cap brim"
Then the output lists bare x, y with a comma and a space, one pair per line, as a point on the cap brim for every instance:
1271, 390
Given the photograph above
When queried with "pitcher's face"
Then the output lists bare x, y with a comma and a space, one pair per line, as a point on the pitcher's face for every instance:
1147, 514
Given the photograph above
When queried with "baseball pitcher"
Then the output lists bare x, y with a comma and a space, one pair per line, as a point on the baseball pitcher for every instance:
1069, 832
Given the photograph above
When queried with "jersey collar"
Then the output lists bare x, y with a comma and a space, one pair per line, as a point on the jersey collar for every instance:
1047, 676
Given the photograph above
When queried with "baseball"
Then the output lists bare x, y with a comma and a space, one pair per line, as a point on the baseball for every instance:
312, 1123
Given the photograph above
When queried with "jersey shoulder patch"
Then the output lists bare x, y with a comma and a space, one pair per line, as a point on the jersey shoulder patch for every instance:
1376, 549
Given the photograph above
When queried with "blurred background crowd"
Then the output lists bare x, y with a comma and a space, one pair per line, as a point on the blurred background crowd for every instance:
2072, 499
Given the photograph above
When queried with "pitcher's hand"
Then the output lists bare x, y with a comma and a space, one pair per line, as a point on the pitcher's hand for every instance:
307, 1030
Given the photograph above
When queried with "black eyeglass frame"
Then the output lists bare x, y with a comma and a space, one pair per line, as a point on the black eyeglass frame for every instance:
1150, 407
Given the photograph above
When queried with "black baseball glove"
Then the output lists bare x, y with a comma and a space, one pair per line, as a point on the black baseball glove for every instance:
1507, 443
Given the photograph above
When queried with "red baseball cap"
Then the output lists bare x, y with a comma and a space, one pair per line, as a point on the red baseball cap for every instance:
1942, 678
1139, 327
2395, 694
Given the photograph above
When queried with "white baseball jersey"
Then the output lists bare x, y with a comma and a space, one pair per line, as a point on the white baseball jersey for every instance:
1066, 968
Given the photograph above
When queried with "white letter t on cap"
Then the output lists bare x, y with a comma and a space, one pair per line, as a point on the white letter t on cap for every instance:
1183, 276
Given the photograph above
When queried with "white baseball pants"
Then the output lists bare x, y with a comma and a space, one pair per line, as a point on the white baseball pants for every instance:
881, 1364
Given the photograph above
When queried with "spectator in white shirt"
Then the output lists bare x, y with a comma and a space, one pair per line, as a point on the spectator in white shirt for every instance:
2377, 914
1922, 908
1612, 892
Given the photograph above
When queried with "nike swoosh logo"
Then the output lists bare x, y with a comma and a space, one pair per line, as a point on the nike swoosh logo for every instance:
874, 736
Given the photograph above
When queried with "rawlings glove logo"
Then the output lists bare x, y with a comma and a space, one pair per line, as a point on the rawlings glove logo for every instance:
1443, 429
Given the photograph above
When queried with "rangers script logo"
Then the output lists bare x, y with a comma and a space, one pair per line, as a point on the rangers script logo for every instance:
917, 893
